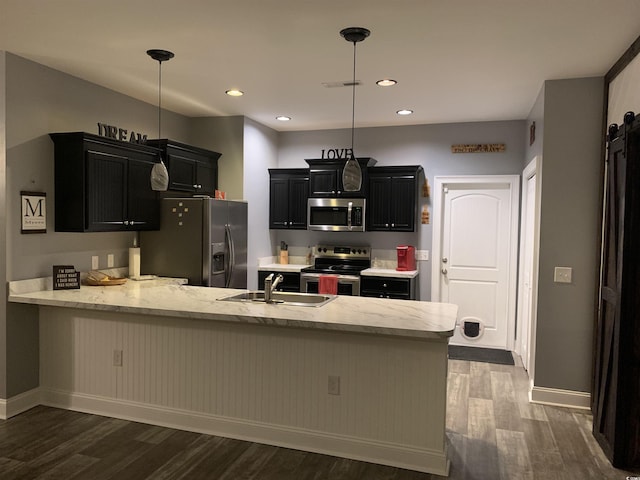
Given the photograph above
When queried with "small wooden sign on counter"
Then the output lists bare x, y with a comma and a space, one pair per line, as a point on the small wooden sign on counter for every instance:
479, 148
65, 277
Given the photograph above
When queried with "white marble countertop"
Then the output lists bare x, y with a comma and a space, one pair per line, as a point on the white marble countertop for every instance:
281, 267
388, 272
167, 297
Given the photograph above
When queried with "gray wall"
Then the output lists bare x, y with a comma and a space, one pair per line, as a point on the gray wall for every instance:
260, 154
536, 115
426, 145
569, 232
224, 135
40, 100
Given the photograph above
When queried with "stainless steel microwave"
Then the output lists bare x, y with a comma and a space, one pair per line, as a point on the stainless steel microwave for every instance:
336, 214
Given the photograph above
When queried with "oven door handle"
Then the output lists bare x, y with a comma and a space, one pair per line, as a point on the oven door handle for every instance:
340, 276
349, 214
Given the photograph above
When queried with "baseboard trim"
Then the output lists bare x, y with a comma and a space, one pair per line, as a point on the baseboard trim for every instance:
395, 455
20, 403
560, 398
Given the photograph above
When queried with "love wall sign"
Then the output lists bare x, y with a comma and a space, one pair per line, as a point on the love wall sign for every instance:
336, 153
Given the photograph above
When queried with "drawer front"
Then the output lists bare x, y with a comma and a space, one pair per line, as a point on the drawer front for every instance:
388, 287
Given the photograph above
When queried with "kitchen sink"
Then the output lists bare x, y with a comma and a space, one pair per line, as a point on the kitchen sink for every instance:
284, 298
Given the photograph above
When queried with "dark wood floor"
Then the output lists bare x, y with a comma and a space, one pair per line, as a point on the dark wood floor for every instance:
495, 433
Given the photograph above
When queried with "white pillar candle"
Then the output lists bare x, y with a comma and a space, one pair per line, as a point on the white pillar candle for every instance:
134, 262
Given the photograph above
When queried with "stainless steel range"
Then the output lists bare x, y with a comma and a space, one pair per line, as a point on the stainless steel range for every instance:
343, 261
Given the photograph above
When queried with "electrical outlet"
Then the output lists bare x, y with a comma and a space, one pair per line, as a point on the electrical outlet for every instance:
422, 255
117, 358
334, 385
562, 274
110, 260
95, 262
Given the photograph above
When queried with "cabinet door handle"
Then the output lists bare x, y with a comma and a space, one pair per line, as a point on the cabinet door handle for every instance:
393, 225
126, 222
386, 225
384, 285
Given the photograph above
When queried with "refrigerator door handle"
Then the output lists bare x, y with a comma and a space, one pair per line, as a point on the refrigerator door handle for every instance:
231, 249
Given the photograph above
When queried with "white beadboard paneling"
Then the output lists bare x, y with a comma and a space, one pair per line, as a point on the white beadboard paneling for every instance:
392, 390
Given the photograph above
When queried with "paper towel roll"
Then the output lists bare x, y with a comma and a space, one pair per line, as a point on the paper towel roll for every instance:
134, 262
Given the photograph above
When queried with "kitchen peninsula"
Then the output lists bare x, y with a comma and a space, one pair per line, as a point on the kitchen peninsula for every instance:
361, 378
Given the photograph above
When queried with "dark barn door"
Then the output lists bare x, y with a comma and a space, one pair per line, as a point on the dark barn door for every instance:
616, 385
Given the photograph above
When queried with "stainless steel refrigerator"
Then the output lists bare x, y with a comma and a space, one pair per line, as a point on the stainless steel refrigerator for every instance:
202, 239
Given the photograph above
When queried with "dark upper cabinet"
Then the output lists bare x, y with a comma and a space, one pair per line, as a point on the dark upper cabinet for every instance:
288, 194
325, 178
393, 198
103, 184
191, 169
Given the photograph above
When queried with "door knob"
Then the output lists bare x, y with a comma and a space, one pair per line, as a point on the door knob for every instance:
444, 271
445, 260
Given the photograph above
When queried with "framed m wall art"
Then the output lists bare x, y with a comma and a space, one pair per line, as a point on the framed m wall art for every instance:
34, 212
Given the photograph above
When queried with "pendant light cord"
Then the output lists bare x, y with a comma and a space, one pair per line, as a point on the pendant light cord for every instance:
353, 98
159, 97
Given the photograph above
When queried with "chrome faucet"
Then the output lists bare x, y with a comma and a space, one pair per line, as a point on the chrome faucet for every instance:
269, 286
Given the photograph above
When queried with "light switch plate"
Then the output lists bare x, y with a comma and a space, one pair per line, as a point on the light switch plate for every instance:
422, 255
110, 260
562, 274
95, 262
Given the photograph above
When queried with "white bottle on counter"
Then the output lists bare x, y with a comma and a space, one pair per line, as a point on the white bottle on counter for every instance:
134, 260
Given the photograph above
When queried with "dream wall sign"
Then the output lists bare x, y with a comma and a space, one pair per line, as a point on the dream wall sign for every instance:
34, 212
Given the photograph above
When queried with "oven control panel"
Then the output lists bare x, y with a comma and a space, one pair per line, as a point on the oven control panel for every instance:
342, 251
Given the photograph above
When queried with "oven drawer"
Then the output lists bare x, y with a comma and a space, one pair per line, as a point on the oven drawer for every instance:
388, 287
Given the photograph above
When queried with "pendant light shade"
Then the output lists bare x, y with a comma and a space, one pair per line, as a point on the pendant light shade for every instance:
159, 173
352, 173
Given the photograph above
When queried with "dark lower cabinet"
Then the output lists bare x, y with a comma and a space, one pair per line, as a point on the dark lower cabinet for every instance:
615, 399
393, 198
191, 169
388, 287
103, 184
290, 282
288, 194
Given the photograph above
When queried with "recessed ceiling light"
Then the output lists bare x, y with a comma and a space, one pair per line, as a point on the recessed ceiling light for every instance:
283, 118
234, 93
404, 112
386, 82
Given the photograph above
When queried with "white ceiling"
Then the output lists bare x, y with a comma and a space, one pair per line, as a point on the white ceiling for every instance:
454, 60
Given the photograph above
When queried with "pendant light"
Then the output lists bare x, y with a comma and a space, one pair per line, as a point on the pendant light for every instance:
352, 173
159, 174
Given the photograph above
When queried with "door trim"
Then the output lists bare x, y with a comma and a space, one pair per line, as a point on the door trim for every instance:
533, 168
513, 183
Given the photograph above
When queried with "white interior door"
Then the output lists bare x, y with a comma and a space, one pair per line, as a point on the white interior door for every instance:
475, 256
527, 286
